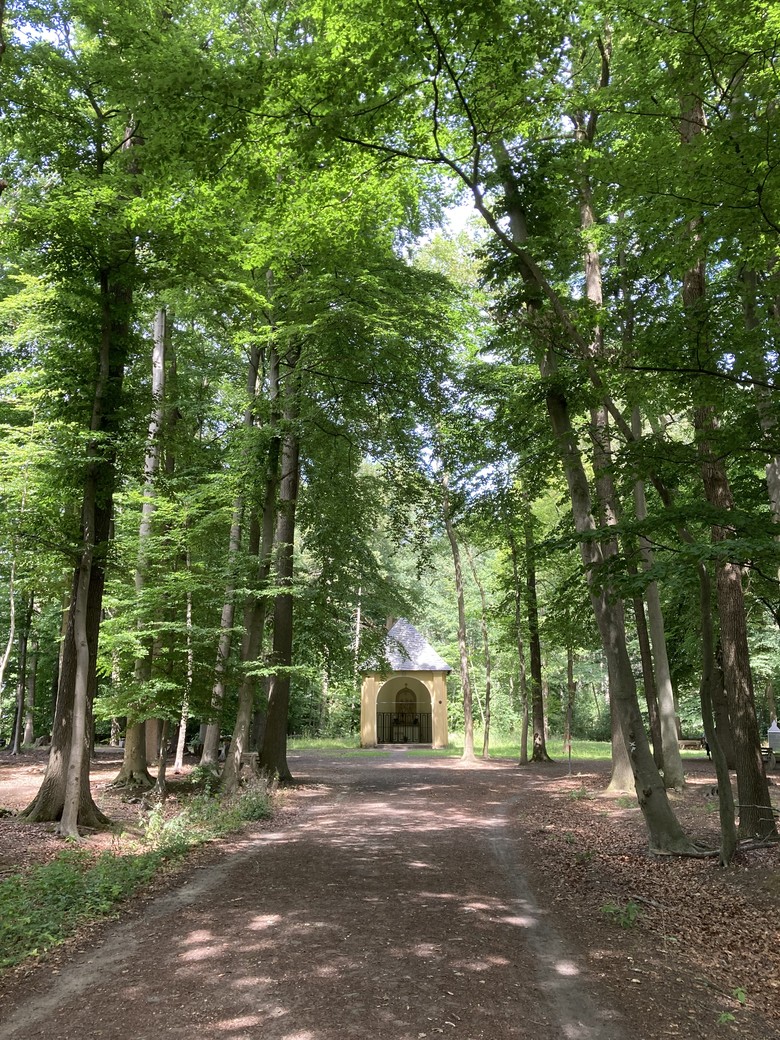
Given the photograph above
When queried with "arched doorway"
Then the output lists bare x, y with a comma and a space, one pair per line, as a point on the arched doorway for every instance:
404, 712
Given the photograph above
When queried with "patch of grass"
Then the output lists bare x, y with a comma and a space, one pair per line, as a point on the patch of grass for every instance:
502, 745
306, 742
43, 907
581, 794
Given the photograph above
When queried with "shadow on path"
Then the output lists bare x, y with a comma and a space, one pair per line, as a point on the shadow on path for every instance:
392, 908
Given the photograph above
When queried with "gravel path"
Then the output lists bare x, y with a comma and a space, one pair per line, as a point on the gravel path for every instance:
390, 907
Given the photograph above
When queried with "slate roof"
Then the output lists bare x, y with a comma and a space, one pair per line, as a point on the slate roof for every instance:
407, 651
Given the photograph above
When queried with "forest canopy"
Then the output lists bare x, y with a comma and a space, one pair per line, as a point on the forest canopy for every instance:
313, 315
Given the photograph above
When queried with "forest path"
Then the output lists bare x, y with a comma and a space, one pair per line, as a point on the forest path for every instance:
392, 908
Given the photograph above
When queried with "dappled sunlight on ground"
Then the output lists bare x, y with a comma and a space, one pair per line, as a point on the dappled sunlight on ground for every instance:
391, 910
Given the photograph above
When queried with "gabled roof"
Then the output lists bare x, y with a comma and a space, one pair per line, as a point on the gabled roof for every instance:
407, 651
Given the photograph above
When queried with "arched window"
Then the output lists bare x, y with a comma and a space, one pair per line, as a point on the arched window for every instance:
405, 702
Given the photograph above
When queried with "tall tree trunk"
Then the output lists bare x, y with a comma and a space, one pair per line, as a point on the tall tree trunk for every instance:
520, 651
648, 674
468, 709
571, 693
261, 544
9, 646
755, 807
709, 681
78, 752
486, 653
181, 740
210, 753
273, 756
29, 699
21, 676
134, 772
97, 510
674, 774
539, 753
771, 705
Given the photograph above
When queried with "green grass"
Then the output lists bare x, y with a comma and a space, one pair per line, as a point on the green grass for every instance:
41, 908
501, 746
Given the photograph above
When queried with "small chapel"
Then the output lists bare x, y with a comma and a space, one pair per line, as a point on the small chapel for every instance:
406, 704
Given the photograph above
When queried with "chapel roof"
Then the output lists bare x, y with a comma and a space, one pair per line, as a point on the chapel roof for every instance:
407, 650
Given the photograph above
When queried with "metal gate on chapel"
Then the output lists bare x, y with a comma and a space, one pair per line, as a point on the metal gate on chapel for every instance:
393, 727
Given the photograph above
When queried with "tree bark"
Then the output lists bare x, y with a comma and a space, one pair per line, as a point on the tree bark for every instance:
210, 753
755, 807
755, 814
261, 541
29, 700
273, 756
571, 693
136, 774
539, 753
468, 709
674, 773
181, 739
21, 677
486, 653
648, 679
520, 652
709, 680
664, 831
76, 688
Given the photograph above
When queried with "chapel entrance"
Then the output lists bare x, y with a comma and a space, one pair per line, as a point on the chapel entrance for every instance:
406, 723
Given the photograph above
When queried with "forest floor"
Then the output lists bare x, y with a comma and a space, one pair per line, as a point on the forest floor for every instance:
400, 896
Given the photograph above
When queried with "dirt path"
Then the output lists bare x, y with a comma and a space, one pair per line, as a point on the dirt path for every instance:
391, 908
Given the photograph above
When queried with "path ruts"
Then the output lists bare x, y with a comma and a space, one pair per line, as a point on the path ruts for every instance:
391, 908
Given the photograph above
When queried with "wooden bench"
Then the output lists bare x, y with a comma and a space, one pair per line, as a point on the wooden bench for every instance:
696, 744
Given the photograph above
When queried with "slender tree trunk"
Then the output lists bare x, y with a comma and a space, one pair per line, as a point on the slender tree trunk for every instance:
728, 832
648, 676
135, 773
161, 782
539, 753
674, 774
520, 652
21, 677
11, 627
210, 753
66, 771
261, 544
181, 739
771, 705
468, 710
68, 826
486, 653
571, 693
29, 700
273, 756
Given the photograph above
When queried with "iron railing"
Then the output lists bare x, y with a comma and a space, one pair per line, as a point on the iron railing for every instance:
394, 727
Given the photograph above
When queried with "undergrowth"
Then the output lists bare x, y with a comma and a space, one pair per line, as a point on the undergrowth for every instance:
42, 907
